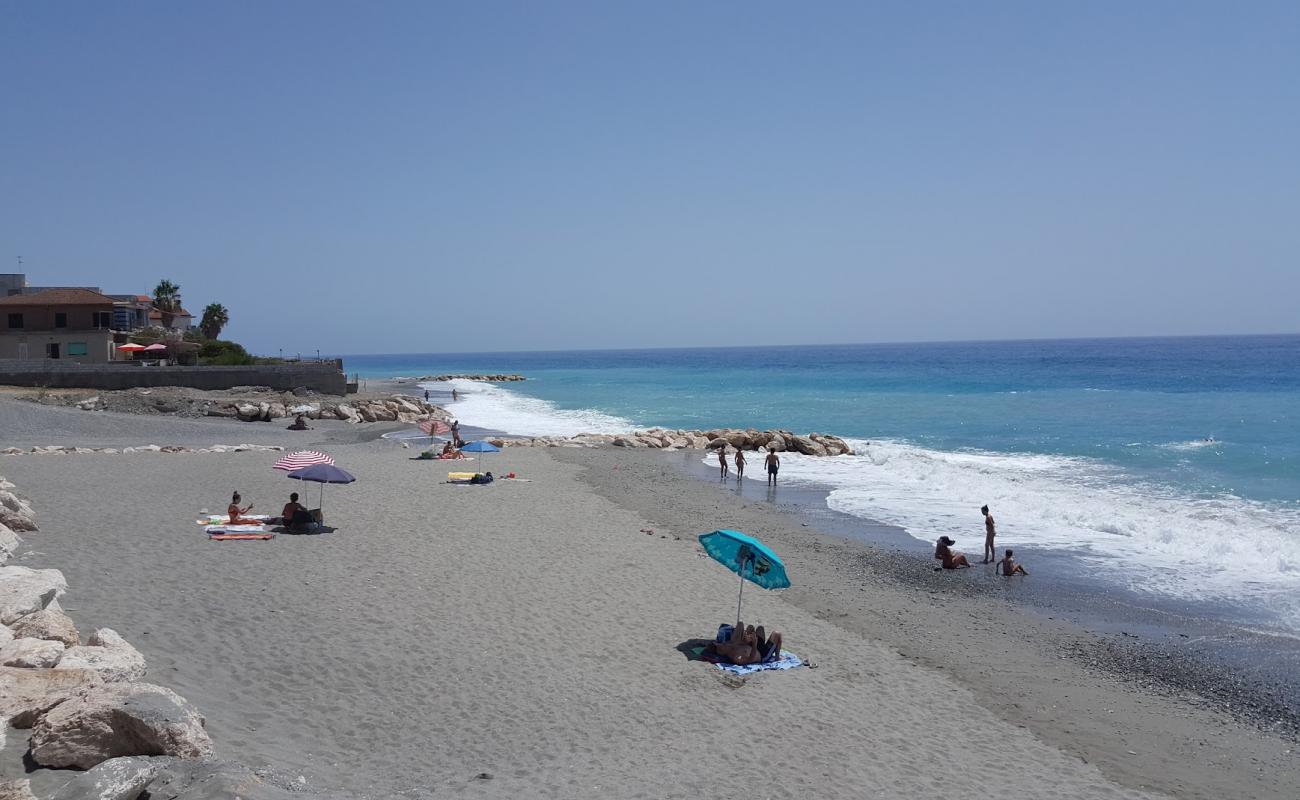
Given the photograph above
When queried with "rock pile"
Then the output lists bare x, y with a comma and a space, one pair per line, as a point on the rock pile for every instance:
397, 408
498, 378
727, 439
53, 450
86, 705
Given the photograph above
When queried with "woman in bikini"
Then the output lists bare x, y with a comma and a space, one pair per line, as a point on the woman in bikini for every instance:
236, 514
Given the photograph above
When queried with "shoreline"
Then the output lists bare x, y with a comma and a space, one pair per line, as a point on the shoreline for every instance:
1136, 715
1250, 670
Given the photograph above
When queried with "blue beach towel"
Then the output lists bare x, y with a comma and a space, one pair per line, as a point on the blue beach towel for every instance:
787, 660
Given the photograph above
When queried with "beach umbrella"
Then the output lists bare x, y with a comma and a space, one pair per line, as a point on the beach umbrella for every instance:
433, 427
747, 557
302, 458
480, 447
130, 347
155, 347
322, 474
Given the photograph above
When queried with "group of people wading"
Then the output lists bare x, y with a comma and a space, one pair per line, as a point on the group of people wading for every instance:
772, 462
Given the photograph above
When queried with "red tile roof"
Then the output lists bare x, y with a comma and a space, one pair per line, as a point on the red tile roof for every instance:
58, 297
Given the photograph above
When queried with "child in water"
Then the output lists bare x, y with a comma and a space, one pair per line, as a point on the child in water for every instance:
1009, 567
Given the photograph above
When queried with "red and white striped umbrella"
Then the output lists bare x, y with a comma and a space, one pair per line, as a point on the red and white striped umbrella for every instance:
302, 458
434, 427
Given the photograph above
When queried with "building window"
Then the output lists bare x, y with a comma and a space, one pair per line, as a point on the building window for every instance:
76, 348
52, 350
60, 319
103, 319
15, 320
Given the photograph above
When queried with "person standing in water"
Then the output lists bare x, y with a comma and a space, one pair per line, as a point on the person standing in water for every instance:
722, 464
773, 463
426, 395
740, 465
990, 553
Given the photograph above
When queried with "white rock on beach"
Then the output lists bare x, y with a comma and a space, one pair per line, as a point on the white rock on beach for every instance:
108, 654
25, 591
16, 790
47, 623
16, 513
122, 778
25, 694
9, 543
31, 653
120, 719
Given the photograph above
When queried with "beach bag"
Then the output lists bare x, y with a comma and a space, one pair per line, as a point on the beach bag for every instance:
724, 632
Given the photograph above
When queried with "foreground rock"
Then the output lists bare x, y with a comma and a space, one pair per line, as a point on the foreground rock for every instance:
25, 694
119, 719
9, 543
16, 514
25, 591
124, 778
108, 654
31, 653
47, 624
726, 439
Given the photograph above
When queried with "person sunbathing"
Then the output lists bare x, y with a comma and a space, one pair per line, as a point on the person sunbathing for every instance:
448, 451
746, 645
295, 515
300, 424
951, 560
236, 514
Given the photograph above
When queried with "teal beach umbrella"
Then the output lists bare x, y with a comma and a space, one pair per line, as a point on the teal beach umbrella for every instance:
747, 557
480, 447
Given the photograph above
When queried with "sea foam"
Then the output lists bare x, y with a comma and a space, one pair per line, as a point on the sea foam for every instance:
484, 405
1151, 537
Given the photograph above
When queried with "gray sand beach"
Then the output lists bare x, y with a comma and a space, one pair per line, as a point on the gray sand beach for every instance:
522, 639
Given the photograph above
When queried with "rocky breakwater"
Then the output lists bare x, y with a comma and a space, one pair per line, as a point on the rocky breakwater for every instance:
497, 378
397, 408
727, 439
86, 706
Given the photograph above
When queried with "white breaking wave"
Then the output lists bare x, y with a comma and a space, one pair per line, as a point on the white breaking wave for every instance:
1194, 444
484, 405
1152, 537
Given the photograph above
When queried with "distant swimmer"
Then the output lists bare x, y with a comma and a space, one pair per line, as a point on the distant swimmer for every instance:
723, 469
740, 465
1008, 566
773, 463
989, 532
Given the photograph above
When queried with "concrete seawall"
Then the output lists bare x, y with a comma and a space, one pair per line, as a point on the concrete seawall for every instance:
326, 377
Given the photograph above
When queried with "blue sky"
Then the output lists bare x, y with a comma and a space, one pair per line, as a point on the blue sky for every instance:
413, 177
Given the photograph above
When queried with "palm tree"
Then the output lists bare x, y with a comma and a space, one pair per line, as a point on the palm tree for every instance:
166, 296
215, 317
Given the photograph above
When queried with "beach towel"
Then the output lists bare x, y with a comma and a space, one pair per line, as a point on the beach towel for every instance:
219, 529
224, 537
222, 519
787, 660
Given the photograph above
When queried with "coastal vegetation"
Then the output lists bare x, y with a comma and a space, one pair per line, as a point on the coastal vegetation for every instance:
215, 317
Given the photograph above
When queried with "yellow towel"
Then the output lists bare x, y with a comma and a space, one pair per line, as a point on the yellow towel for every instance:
459, 476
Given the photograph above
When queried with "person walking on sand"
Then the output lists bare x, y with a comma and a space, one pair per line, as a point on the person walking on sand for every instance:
723, 469
989, 532
740, 465
773, 463
426, 395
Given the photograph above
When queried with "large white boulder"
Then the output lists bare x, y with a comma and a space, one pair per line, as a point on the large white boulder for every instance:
48, 623
9, 543
16, 513
123, 778
108, 654
27, 693
118, 719
24, 591
31, 653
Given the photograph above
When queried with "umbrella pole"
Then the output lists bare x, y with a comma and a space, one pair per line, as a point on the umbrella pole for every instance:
739, 597
321, 504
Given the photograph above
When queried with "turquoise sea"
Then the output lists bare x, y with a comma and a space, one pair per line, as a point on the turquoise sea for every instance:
1173, 463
